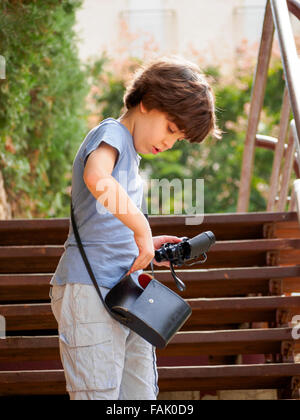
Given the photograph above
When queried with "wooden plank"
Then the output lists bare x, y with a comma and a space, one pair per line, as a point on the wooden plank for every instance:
256, 245
229, 342
40, 382
34, 231
269, 376
55, 231
27, 349
291, 285
225, 226
44, 259
286, 230
30, 259
239, 310
219, 282
289, 257
24, 287
30, 317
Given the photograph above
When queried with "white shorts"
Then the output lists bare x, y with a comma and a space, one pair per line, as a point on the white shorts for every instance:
102, 359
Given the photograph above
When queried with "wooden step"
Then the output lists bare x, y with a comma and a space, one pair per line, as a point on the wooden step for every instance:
38, 382
44, 259
205, 312
194, 343
28, 317
227, 226
228, 342
34, 231
27, 349
210, 312
24, 287
237, 265
54, 231
218, 282
29, 259
225, 377
284, 229
268, 376
229, 282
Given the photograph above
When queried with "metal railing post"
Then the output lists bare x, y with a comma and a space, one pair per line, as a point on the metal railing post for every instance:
257, 97
289, 56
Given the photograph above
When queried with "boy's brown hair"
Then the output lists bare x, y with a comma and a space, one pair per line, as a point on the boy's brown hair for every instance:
177, 87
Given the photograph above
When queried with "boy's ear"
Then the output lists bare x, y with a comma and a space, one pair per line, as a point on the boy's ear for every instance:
142, 108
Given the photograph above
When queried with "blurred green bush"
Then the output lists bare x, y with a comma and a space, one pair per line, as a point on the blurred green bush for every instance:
42, 105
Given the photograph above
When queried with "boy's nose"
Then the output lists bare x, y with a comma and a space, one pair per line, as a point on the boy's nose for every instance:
168, 144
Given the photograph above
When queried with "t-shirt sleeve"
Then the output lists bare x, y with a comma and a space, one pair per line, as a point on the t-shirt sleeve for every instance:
111, 136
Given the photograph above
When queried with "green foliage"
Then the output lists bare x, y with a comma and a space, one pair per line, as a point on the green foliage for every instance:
49, 100
112, 97
109, 85
274, 92
42, 108
218, 162
222, 167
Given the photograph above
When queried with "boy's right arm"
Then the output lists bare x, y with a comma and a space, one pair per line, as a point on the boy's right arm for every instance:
113, 197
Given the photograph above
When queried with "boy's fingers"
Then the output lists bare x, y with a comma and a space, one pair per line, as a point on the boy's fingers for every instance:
139, 264
135, 267
172, 239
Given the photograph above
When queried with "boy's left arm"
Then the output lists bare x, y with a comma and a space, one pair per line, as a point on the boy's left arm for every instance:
158, 241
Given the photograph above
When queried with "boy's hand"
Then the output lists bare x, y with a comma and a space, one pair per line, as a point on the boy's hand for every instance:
158, 241
146, 250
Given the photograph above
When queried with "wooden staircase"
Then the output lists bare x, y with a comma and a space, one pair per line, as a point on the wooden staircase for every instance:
238, 337
242, 332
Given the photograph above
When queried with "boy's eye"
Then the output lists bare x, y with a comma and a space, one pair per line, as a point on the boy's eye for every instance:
172, 132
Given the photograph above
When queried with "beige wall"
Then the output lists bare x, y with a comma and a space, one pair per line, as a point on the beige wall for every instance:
213, 28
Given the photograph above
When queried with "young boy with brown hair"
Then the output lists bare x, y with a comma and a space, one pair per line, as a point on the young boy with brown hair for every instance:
168, 100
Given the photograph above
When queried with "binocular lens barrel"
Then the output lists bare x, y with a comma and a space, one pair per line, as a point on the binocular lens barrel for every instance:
201, 243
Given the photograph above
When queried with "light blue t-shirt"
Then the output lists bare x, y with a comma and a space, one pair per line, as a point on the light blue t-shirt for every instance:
108, 243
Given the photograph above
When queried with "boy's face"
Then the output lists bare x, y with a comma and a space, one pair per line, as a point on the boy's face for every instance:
154, 132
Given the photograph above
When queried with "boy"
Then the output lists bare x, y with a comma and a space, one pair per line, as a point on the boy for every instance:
168, 100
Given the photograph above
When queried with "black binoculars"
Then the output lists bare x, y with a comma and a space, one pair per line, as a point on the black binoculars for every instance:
184, 251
